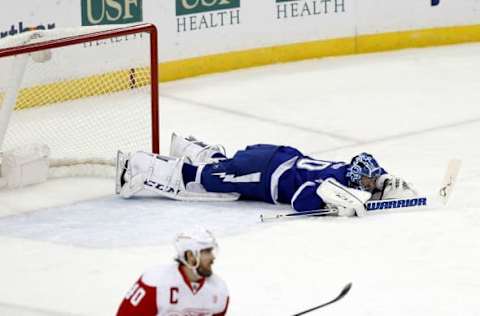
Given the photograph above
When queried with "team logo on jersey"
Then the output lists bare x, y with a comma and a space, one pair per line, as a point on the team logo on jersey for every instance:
251, 177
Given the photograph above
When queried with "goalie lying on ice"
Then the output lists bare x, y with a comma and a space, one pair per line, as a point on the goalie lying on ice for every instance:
269, 173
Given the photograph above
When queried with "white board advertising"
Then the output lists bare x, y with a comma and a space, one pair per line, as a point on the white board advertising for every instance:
194, 28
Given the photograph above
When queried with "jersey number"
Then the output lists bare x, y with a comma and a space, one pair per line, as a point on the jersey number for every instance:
312, 165
135, 294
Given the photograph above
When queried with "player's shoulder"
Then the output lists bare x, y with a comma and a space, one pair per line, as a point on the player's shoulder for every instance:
158, 274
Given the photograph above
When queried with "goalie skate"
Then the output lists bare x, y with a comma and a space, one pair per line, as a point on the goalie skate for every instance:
121, 168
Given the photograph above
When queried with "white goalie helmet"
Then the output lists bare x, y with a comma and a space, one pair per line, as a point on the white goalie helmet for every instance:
194, 241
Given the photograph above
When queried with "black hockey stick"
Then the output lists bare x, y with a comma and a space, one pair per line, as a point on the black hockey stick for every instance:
344, 292
290, 215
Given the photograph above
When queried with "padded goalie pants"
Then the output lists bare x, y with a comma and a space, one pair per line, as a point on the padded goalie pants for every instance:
248, 172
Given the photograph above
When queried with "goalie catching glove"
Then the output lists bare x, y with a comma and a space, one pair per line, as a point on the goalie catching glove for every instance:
392, 187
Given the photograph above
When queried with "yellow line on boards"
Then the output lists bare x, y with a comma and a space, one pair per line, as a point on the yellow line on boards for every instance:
174, 70
317, 49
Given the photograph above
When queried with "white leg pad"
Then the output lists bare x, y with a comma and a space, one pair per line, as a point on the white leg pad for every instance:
163, 176
167, 172
148, 171
195, 151
133, 186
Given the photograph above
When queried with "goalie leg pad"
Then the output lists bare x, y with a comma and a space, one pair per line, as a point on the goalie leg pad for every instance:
167, 181
133, 186
349, 201
163, 176
148, 171
194, 150
25, 165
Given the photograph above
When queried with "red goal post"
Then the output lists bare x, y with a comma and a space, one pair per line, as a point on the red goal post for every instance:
84, 92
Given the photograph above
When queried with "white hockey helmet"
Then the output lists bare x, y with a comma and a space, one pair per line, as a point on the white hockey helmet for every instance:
194, 241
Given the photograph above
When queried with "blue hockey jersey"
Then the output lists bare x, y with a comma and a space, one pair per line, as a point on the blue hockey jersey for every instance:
274, 174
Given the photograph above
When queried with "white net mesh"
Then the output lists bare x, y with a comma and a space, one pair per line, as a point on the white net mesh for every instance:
83, 100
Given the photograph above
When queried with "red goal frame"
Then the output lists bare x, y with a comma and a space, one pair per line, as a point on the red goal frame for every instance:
99, 35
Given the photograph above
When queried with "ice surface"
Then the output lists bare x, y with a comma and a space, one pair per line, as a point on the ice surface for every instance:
115, 222
70, 247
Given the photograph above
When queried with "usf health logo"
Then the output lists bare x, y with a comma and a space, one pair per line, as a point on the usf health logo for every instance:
95, 12
198, 6
302, 8
195, 15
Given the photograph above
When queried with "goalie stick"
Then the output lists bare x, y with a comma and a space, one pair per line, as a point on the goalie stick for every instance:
371, 206
344, 292
321, 212
449, 179
376, 206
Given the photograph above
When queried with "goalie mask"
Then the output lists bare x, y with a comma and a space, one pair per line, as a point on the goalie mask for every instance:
363, 165
195, 241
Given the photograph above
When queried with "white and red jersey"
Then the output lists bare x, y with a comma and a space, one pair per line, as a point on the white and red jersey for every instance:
166, 291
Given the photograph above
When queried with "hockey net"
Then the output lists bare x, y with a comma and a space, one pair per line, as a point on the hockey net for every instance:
85, 92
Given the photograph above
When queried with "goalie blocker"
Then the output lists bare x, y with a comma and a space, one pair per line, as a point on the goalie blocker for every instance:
345, 201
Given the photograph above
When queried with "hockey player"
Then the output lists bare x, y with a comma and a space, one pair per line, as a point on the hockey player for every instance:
187, 287
270, 173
